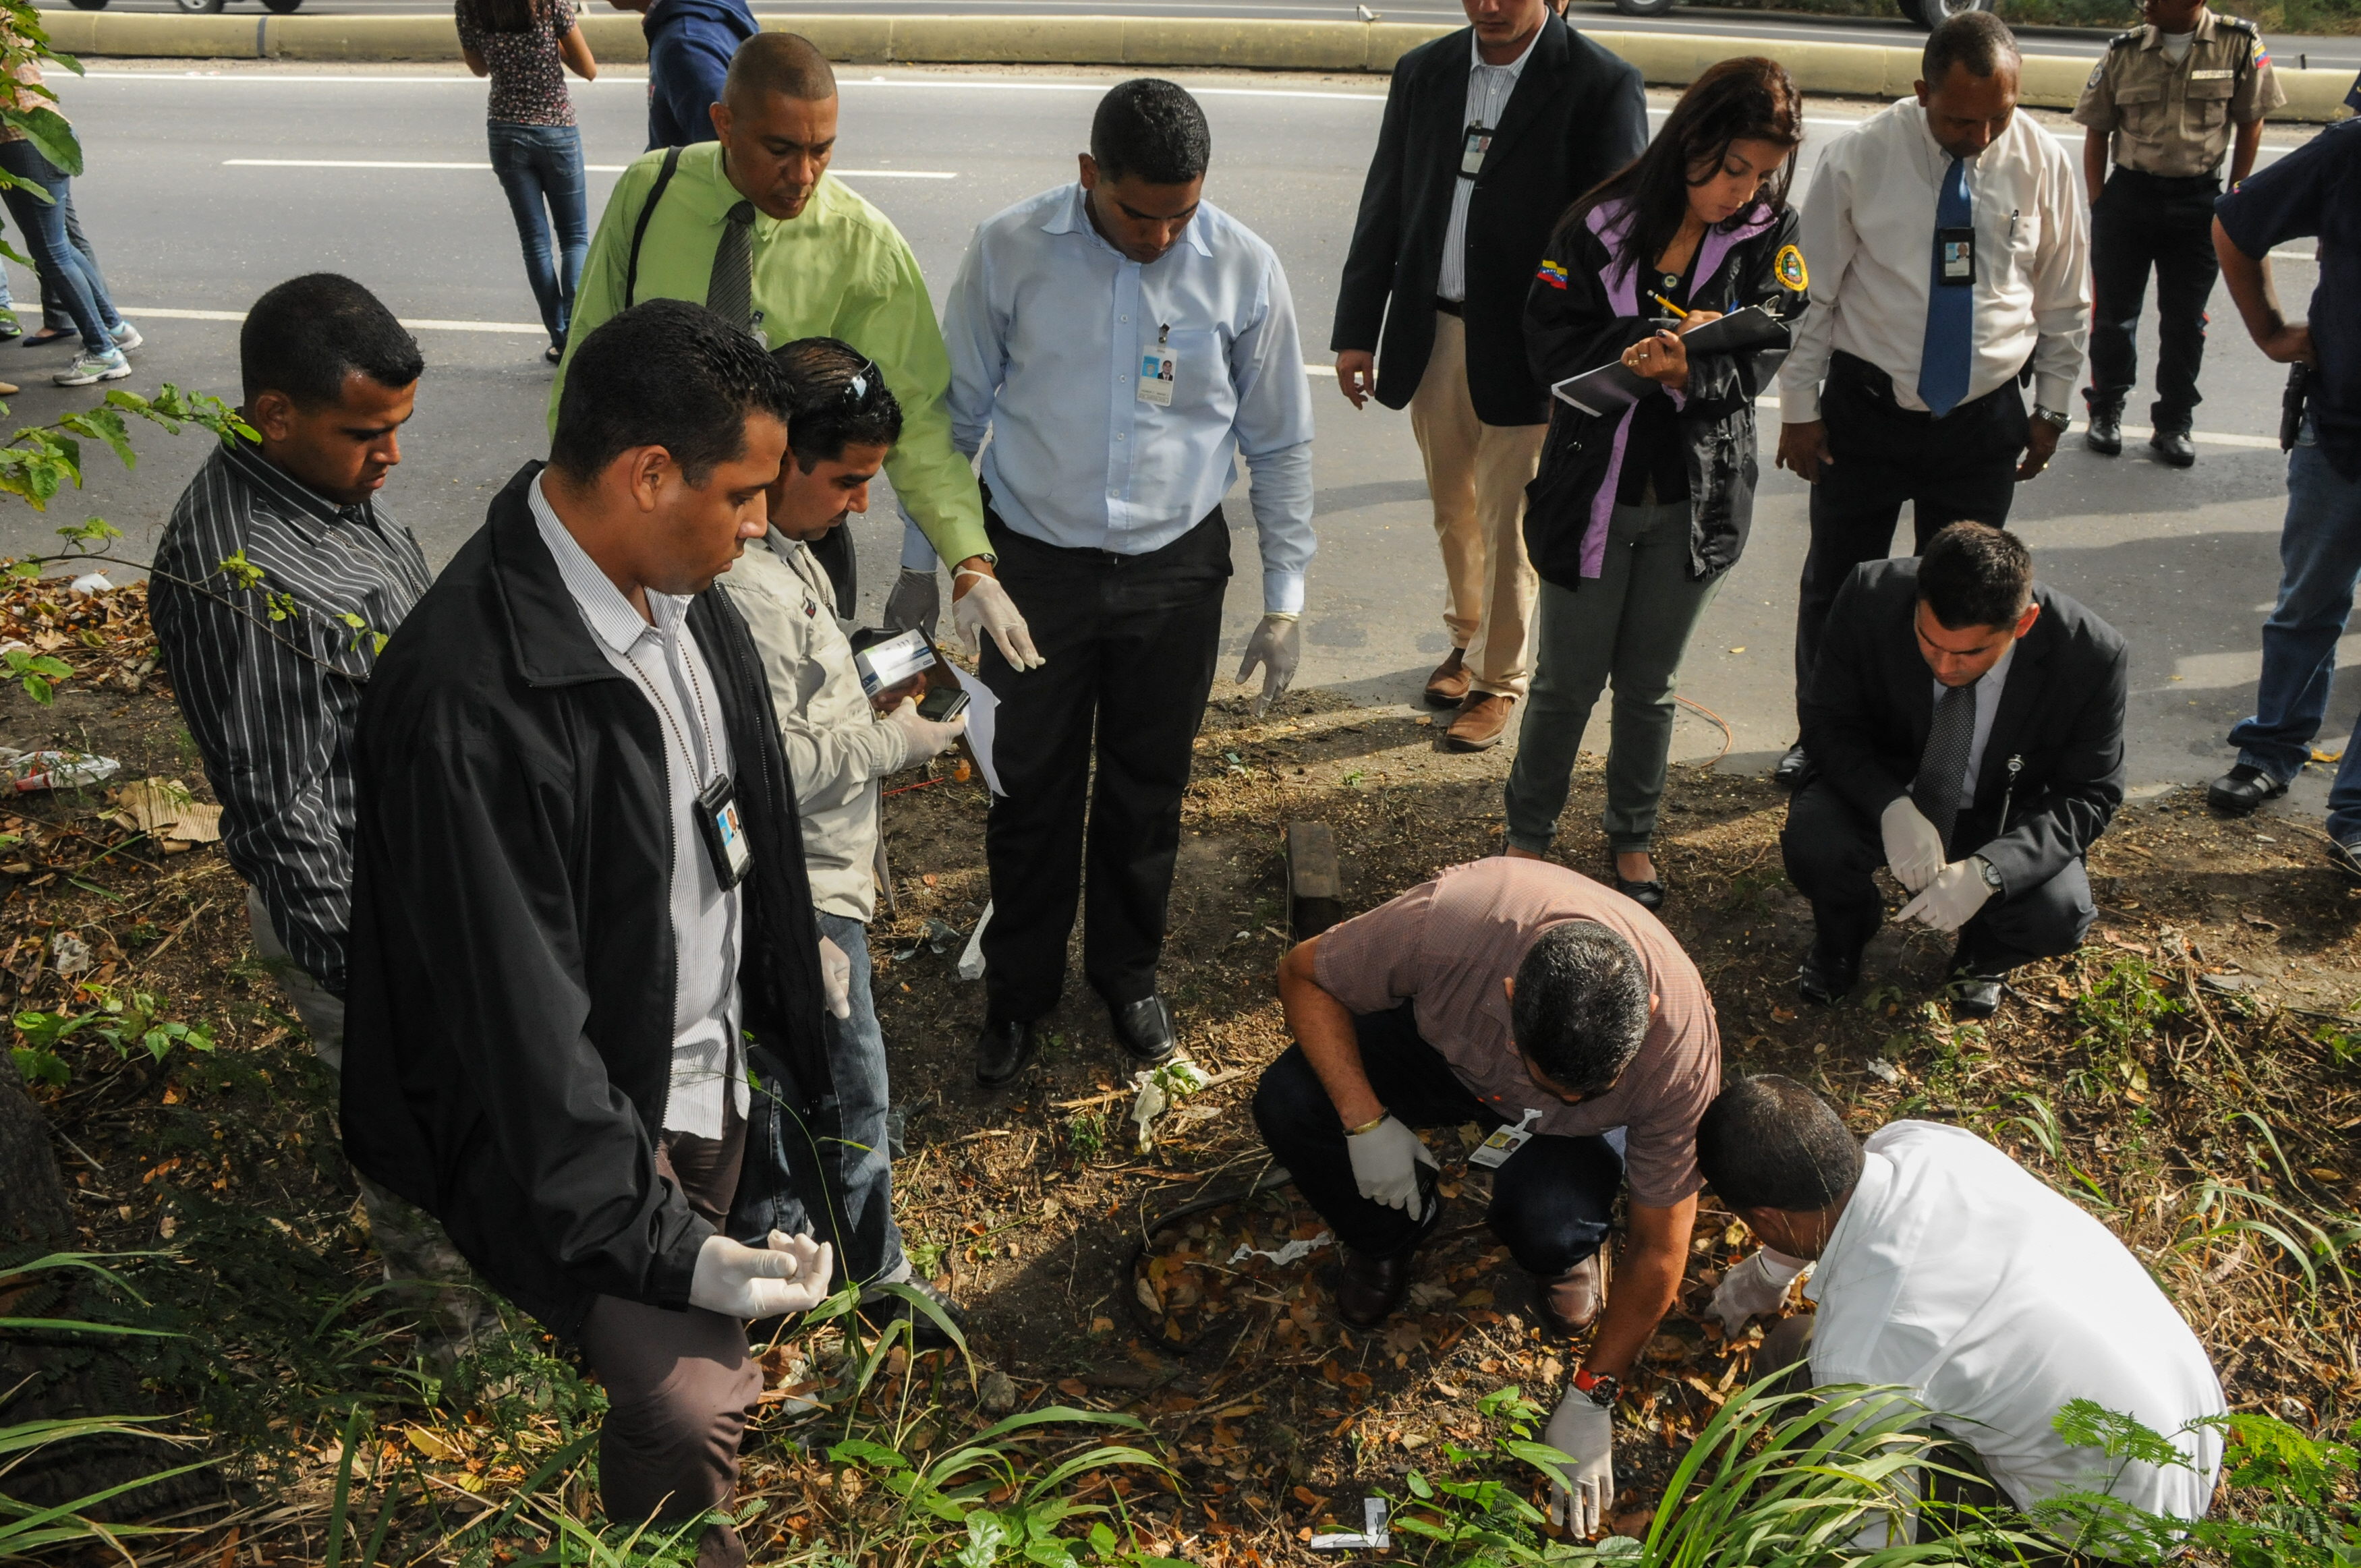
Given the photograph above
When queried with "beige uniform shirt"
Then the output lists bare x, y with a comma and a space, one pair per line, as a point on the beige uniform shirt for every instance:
2175, 120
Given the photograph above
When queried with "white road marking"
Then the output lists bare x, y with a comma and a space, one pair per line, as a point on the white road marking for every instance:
589, 168
166, 313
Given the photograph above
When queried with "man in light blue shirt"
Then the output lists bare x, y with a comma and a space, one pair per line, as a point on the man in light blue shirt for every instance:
1123, 343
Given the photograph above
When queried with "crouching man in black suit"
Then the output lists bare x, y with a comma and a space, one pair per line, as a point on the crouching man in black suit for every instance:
1983, 787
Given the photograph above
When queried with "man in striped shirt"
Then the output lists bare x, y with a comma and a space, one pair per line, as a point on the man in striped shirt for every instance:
275, 583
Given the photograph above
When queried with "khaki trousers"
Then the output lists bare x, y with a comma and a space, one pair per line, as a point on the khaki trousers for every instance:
1476, 474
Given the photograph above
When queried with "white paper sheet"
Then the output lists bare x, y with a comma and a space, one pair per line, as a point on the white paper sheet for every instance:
982, 706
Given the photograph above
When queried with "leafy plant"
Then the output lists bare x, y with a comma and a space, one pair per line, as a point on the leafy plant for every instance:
124, 1020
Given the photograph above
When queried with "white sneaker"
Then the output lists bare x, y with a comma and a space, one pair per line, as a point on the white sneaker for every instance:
127, 337
88, 367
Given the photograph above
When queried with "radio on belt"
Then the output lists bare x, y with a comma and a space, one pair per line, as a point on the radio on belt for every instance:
889, 663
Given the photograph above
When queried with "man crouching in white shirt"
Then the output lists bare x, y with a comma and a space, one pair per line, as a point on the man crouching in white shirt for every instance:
1947, 1269
838, 745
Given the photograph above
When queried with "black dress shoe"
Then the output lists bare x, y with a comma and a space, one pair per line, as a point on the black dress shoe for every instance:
2242, 789
1794, 769
1828, 972
1369, 1288
881, 1308
2105, 435
1143, 1028
1974, 995
1003, 1050
1649, 894
2174, 447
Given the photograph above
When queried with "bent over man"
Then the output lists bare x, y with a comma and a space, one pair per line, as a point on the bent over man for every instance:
582, 930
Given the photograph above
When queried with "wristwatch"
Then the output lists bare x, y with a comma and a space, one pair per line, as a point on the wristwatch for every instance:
1985, 870
2052, 417
1600, 1388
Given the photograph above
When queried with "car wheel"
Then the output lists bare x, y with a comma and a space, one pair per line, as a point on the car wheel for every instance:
281, 7
1644, 8
199, 7
1933, 14
90, 5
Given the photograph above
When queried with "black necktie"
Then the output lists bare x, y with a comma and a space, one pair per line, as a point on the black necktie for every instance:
730, 293
1943, 766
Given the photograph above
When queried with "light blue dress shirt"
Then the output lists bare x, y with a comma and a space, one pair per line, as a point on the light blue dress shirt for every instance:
1048, 325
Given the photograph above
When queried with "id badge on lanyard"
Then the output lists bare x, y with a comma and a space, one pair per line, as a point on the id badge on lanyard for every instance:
724, 832
1158, 371
1472, 151
1494, 1151
1955, 257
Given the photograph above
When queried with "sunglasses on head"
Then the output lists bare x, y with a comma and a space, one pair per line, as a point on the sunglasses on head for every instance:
857, 388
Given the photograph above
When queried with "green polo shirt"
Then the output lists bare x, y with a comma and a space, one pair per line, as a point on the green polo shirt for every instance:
838, 269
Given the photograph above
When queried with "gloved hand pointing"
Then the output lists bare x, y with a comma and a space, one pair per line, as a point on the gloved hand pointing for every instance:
1753, 1287
790, 1274
979, 604
1385, 1165
1951, 899
1912, 849
1278, 646
1585, 1432
836, 978
923, 737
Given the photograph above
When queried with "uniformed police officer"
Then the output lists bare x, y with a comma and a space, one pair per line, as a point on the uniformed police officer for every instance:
2167, 96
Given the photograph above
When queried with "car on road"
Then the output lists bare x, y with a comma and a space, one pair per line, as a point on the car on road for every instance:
196, 7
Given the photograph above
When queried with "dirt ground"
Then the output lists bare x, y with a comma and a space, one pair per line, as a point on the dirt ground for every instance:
2194, 1069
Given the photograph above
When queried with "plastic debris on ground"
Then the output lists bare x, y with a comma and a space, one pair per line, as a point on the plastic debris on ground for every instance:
1292, 1252
1374, 1536
1160, 1088
970, 961
91, 583
29, 771
934, 937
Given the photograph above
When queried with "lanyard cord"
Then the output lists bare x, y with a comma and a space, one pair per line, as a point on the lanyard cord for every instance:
704, 723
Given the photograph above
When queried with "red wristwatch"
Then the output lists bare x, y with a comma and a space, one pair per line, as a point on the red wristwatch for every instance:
1600, 1387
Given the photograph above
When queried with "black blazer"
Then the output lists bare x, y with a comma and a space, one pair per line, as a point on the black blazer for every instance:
509, 1046
1871, 702
1576, 117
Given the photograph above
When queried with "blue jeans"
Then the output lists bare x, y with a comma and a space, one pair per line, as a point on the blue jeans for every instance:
2320, 563
53, 306
75, 275
538, 165
856, 1061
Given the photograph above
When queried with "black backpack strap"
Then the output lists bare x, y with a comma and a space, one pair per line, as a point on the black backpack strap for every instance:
639, 230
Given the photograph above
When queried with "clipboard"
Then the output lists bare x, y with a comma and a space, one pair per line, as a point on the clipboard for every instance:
1612, 388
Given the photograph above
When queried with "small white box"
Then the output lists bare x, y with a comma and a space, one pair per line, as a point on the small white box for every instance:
889, 663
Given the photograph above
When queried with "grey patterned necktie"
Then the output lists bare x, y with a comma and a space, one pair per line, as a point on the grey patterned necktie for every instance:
730, 293
1943, 766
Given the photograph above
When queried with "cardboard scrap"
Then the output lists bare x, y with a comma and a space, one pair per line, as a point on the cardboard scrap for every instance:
164, 809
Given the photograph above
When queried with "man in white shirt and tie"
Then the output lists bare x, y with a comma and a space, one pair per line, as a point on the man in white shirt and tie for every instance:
1952, 252
1124, 343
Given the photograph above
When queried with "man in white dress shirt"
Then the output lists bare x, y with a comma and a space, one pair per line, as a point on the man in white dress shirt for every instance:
1124, 343
1943, 1265
1951, 254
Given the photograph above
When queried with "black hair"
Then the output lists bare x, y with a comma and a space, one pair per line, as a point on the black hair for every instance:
1975, 575
1977, 39
1768, 1142
305, 337
664, 373
505, 16
1749, 99
1581, 1006
786, 63
840, 400
1150, 128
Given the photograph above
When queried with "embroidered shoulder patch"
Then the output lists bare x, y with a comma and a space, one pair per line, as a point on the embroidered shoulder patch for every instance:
1789, 264
1552, 273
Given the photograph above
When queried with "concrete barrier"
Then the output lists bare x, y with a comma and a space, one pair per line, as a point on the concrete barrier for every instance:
1665, 59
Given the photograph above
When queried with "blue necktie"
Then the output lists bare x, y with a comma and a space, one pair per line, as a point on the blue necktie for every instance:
1950, 307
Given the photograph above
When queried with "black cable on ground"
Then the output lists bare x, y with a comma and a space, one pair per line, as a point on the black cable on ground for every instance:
1271, 1180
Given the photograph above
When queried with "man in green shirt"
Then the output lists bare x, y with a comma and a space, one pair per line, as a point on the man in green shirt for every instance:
753, 226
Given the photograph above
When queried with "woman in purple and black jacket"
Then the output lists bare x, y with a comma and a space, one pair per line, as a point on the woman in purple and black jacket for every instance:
1636, 513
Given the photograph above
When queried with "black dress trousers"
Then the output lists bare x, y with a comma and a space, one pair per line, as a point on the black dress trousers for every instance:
1960, 467
2142, 222
1131, 643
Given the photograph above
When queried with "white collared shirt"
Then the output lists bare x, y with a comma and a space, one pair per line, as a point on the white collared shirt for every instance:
1489, 88
664, 664
1956, 1274
1869, 237
1988, 689
1047, 325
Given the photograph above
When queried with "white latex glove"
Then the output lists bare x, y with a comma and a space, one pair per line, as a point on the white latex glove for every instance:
1278, 646
986, 607
1912, 849
1385, 1165
836, 978
922, 736
790, 1274
1753, 1287
915, 601
1950, 900
1584, 1490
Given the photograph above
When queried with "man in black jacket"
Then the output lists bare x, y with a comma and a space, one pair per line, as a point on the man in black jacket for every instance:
1968, 725
584, 980
1489, 137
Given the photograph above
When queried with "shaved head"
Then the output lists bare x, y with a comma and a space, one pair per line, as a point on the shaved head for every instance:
784, 64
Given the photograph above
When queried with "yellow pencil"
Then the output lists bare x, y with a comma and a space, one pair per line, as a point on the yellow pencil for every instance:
1677, 311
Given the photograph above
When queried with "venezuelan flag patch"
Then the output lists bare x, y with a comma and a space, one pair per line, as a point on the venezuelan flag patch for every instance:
1789, 264
1552, 273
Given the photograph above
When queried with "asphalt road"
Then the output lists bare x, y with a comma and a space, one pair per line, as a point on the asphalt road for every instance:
2183, 562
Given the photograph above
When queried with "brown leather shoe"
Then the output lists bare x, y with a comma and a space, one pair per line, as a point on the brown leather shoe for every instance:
1571, 1301
1448, 688
1371, 1287
1483, 720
